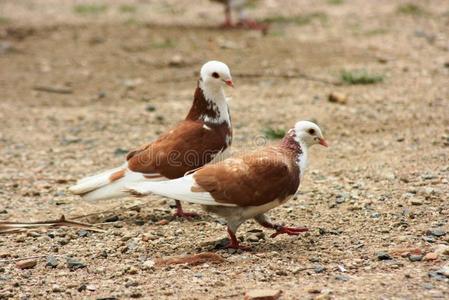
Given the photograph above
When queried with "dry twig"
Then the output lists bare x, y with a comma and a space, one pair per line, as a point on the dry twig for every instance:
9, 227
265, 75
53, 89
28, 257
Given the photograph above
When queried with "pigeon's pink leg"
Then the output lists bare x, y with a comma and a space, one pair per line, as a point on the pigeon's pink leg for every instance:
181, 213
234, 243
253, 24
280, 229
228, 20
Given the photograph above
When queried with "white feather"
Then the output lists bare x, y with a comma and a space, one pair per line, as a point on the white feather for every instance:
104, 173
93, 182
100, 187
179, 189
115, 189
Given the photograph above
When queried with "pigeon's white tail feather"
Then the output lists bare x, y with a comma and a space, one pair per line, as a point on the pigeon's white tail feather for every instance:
179, 189
94, 182
115, 189
104, 174
110, 191
109, 184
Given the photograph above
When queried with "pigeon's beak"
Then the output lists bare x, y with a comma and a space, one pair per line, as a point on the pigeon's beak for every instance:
323, 142
229, 82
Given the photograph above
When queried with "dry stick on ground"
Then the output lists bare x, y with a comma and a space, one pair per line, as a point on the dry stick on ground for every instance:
261, 75
53, 89
287, 75
8, 227
105, 212
28, 257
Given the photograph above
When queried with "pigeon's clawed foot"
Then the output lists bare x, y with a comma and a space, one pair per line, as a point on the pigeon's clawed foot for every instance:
237, 245
234, 243
252, 25
246, 24
186, 215
227, 25
180, 213
280, 229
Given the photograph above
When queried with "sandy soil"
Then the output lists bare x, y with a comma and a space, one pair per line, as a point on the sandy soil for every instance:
381, 186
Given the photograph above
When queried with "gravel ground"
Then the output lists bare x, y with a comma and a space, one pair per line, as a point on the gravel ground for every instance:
376, 201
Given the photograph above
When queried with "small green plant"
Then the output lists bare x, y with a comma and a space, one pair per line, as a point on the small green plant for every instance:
89, 9
252, 4
274, 133
376, 31
4, 20
276, 33
298, 19
411, 9
132, 22
167, 43
335, 2
360, 77
126, 8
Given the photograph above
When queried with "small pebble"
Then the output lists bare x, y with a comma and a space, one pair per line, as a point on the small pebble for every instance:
176, 61
342, 277
83, 233
52, 261
313, 290
56, 288
444, 271
263, 294
113, 218
163, 222
319, 269
430, 256
336, 97
416, 201
150, 107
26, 264
91, 287
415, 258
74, 264
442, 249
436, 232
383, 256
148, 265
132, 270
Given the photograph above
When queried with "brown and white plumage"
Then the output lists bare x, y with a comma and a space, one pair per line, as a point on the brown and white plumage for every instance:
246, 186
194, 142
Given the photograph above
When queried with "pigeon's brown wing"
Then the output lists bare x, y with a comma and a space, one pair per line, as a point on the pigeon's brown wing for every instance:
188, 146
250, 180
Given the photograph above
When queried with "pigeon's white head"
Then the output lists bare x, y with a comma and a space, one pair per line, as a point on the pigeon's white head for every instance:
309, 133
216, 74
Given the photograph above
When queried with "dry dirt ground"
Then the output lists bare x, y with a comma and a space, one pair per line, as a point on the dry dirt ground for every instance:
376, 201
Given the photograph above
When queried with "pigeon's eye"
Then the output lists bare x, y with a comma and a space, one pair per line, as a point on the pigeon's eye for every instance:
215, 75
311, 131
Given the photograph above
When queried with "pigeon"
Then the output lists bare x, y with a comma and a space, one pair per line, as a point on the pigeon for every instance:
201, 137
246, 186
243, 20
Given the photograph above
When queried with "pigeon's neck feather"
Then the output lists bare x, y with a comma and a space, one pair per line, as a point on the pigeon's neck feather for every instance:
209, 105
289, 142
298, 150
